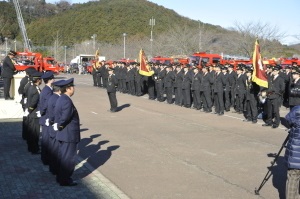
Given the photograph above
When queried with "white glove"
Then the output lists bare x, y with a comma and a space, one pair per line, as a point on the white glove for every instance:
38, 114
25, 100
55, 127
26, 113
47, 122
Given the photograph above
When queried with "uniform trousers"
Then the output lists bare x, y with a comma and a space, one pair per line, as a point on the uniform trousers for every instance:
197, 99
206, 99
25, 128
169, 93
45, 145
186, 96
6, 86
227, 100
292, 184
251, 108
240, 102
273, 106
178, 96
219, 102
95, 78
67, 161
53, 159
33, 134
112, 100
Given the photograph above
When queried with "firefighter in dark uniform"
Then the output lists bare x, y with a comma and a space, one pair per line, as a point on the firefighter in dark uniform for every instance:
232, 80
104, 73
294, 91
23, 90
205, 89
34, 114
195, 87
240, 90
67, 127
178, 85
274, 98
218, 89
252, 90
160, 83
169, 83
53, 143
45, 94
186, 86
138, 80
111, 90
288, 79
151, 84
98, 75
8, 70
226, 89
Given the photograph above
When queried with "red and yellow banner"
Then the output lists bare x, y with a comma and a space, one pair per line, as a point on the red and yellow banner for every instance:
259, 75
144, 67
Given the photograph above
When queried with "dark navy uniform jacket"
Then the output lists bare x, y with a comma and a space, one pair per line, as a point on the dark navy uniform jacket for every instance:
33, 100
112, 84
8, 68
67, 119
50, 112
45, 94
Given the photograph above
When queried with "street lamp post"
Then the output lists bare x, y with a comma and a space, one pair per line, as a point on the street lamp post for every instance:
151, 23
124, 35
94, 40
15, 41
65, 54
6, 45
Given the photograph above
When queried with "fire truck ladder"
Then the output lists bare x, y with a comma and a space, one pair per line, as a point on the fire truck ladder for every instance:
22, 25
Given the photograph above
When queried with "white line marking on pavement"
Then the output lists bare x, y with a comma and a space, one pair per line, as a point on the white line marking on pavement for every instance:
207, 152
95, 113
243, 119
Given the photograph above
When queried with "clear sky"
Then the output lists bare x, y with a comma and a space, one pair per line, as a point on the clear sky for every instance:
284, 14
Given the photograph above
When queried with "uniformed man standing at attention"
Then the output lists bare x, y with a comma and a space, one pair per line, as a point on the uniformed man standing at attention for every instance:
45, 94
67, 127
168, 84
34, 113
112, 84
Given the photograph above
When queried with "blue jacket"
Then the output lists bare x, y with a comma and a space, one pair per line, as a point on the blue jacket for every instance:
45, 95
292, 152
67, 119
50, 112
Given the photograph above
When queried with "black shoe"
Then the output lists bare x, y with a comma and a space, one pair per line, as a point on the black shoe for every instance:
227, 110
220, 114
68, 184
274, 126
254, 121
267, 125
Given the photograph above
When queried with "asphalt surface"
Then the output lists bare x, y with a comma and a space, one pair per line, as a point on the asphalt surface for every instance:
151, 149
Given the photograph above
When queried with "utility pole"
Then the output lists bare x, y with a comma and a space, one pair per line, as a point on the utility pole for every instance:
65, 54
6, 45
200, 37
15, 41
94, 41
124, 35
151, 23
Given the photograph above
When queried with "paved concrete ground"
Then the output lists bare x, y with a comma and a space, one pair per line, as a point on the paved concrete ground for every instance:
166, 151
155, 150
23, 176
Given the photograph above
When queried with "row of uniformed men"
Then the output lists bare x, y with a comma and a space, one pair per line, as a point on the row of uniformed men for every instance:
51, 112
220, 86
